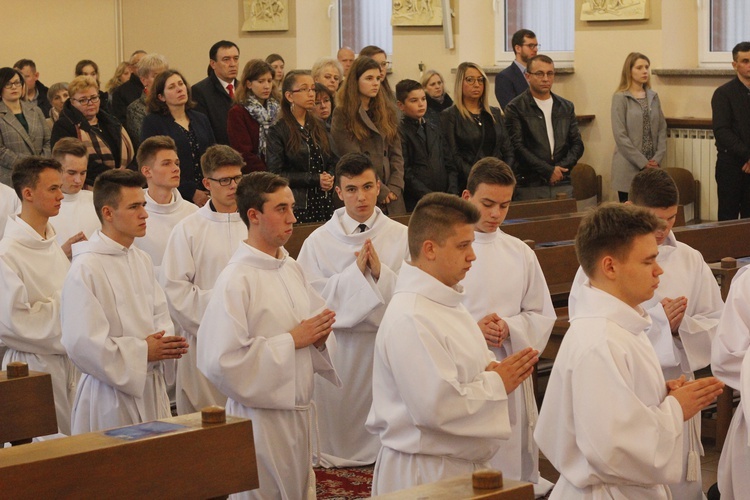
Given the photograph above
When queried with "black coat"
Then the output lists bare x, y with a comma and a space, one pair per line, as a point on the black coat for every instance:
41, 101
66, 126
509, 84
124, 95
295, 165
528, 134
213, 101
155, 124
731, 123
428, 166
434, 108
465, 140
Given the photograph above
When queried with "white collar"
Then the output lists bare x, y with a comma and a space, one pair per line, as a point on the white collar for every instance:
351, 226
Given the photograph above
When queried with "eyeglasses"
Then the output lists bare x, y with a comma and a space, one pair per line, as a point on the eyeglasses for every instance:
225, 181
10, 85
86, 100
303, 89
532, 46
542, 74
471, 80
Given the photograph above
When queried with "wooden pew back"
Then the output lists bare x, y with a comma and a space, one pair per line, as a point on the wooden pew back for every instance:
540, 208
27, 407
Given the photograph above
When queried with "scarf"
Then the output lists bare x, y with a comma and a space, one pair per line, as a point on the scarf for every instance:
265, 116
98, 147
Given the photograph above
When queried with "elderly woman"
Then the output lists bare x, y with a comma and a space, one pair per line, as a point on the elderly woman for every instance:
434, 86
329, 72
57, 94
171, 114
23, 131
87, 67
324, 104
108, 143
472, 128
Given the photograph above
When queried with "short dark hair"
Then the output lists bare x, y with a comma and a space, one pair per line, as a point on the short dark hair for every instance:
740, 47
322, 89
435, 217
404, 87
22, 63
541, 58
156, 105
108, 187
69, 146
27, 170
352, 165
221, 44
148, 148
653, 188
217, 156
610, 230
518, 37
252, 191
7, 74
490, 170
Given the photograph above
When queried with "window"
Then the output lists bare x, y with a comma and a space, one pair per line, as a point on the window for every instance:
722, 25
358, 23
553, 21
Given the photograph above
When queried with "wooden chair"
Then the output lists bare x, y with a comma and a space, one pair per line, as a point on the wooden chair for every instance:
689, 189
587, 186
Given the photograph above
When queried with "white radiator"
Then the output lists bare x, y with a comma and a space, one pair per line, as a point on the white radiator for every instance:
695, 150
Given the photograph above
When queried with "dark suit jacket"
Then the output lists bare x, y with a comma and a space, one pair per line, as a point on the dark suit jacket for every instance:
123, 96
509, 83
42, 102
731, 123
213, 101
155, 124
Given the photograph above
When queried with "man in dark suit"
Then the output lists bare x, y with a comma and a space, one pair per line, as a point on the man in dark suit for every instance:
214, 94
511, 81
36, 91
731, 122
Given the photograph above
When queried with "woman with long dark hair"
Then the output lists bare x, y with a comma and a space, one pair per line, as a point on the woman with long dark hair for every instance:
299, 148
364, 121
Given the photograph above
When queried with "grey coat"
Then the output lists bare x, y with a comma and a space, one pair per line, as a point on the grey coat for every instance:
627, 127
16, 143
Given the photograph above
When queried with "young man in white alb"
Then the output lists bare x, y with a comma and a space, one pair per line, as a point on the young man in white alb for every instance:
439, 397
353, 262
507, 295
115, 321
610, 423
198, 249
262, 339
77, 219
32, 271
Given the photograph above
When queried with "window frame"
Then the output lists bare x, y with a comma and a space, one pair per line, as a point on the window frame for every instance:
334, 14
707, 58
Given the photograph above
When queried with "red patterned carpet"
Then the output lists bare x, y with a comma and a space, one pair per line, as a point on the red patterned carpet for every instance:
343, 484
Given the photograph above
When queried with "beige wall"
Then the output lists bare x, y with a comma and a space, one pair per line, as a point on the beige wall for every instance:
183, 30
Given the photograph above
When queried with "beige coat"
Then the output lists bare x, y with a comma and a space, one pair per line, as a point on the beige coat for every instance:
15, 142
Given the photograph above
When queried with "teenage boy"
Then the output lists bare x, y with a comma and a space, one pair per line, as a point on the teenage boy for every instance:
353, 262
427, 167
440, 402
32, 271
263, 337
610, 423
507, 295
684, 311
115, 321
198, 249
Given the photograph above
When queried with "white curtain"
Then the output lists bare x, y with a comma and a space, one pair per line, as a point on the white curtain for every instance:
366, 22
553, 21
730, 20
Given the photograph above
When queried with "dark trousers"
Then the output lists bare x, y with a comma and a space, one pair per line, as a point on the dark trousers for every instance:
733, 189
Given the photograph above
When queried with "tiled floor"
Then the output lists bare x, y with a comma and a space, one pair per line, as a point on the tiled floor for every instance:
709, 465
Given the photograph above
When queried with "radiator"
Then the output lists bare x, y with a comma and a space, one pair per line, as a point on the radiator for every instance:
695, 150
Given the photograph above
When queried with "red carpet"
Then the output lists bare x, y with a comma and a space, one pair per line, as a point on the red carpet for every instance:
343, 484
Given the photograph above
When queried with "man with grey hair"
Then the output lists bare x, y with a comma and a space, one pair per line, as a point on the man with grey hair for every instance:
148, 69
345, 55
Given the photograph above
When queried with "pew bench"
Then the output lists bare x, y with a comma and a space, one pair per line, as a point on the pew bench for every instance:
27, 405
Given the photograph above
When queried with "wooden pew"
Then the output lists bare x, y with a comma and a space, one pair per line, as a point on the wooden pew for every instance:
460, 488
544, 229
559, 265
27, 405
540, 208
180, 457
716, 240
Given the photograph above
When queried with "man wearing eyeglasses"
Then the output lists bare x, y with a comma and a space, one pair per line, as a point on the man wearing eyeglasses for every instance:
544, 133
198, 249
512, 81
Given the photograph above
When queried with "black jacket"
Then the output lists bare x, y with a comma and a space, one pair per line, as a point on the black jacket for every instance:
528, 134
213, 101
731, 123
465, 140
41, 101
295, 165
428, 166
65, 126
509, 83
434, 108
154, 124
124, 95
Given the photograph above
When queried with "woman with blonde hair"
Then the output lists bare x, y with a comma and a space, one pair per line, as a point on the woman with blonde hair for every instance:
87, 67
434, 86
472, 128
329, 72
122, 75
364, 121
638, 124
254, 112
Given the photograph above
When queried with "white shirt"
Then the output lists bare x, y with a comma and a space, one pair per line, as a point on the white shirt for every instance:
77, 213
351, 226
10, 204
546, 107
